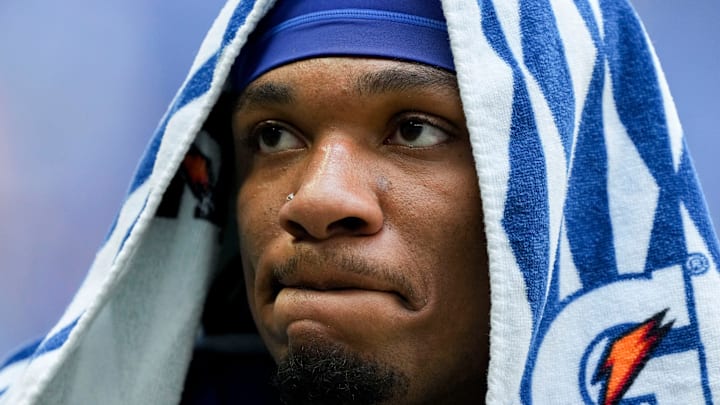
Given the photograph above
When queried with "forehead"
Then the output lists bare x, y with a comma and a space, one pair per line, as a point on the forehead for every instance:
353, 76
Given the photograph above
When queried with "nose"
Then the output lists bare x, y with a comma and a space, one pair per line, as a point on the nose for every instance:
336, 196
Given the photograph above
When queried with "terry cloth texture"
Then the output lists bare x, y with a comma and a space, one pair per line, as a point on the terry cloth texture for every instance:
603, 262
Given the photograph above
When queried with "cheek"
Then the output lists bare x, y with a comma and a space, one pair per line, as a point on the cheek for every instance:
448, 210
256, 214
257, 224
442, 202
464, 237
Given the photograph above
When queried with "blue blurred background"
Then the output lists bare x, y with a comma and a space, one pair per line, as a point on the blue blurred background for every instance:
83, 84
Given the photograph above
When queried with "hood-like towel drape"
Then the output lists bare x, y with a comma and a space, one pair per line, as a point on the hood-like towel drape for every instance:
602, 258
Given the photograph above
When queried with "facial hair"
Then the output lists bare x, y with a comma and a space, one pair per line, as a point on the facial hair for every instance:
325, 373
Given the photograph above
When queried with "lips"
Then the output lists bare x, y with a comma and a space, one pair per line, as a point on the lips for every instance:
326, 281
320, 272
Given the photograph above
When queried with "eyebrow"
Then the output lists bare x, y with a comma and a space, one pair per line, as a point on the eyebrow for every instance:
266, 93
405, 78
388, 80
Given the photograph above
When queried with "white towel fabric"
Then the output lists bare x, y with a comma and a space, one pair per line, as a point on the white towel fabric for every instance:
603, 262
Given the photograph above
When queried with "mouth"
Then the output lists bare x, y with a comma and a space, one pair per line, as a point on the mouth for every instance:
339, 298
302, 313
312, 283
334, 286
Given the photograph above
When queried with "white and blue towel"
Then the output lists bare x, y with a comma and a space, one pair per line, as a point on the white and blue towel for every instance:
603, 261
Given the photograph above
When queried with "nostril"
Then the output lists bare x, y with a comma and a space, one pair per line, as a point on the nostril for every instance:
347, 224
296, 230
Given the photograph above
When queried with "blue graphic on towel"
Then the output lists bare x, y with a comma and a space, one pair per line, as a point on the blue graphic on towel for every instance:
198, 84
670, 340
525, 218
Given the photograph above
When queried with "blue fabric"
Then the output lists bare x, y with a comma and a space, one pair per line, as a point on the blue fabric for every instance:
41, 346
296, 30
24, 353
198, 84
56, 341
546, 61
587, 216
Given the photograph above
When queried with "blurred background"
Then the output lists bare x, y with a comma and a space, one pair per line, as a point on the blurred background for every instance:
83, 84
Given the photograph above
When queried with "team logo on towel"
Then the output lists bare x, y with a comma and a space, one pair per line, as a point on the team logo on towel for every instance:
626, 356
640, 342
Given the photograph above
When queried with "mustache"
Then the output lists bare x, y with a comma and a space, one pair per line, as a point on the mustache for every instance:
344, 262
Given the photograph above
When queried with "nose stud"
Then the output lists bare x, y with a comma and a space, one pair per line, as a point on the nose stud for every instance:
290, 197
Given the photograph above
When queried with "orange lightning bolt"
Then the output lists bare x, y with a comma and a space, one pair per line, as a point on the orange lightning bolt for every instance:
626, 357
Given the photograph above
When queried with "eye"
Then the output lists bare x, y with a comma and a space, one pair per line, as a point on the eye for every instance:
273, 138
416, 133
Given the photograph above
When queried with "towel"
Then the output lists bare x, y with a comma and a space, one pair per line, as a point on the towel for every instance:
602, 259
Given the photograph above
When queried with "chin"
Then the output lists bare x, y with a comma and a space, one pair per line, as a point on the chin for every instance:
322, 372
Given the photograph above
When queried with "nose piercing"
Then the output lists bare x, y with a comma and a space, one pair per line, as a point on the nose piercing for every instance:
290, 197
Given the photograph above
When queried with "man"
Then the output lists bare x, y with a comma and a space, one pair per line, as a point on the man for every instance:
362, 144
360, 241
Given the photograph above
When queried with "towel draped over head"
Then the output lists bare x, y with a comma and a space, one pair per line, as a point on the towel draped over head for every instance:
603, 263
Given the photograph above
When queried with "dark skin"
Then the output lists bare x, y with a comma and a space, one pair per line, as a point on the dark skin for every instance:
381, 251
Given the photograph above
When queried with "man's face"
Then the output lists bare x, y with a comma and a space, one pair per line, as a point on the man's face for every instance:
374, 272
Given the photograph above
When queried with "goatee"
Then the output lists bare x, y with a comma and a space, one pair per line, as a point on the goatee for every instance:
325, 373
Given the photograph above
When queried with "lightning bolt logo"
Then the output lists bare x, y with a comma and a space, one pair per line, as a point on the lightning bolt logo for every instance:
627, 355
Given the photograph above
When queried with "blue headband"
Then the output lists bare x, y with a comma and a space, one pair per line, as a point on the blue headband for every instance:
294, 30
